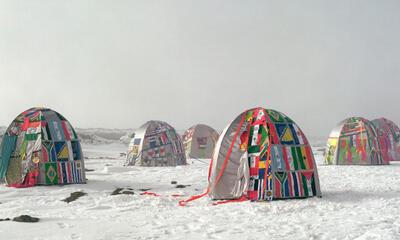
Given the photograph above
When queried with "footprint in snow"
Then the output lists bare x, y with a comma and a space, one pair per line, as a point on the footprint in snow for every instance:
75, 236
63, 225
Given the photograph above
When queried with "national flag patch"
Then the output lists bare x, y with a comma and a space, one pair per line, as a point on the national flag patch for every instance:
62, 151
51, 173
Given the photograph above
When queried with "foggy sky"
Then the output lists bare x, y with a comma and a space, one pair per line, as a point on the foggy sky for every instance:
117, 64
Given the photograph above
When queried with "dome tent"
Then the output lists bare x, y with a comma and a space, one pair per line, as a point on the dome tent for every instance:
354, 142
199, 141
262, 155
389, 138
156, 143
40, 147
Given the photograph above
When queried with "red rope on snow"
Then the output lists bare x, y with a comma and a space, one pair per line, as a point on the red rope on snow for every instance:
177, 195
150, 194
183, 203
158, 195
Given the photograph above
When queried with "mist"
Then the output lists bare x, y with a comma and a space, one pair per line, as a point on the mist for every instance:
117, 64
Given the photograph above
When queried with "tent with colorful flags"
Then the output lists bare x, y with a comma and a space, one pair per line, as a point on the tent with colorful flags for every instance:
354, 141
262, 155
156, 143
389, 138
40, 147
199, 141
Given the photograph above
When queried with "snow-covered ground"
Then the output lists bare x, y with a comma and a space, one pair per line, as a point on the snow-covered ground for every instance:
358, 202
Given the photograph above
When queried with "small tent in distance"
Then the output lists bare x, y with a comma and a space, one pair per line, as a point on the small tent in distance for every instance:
389, 138
154, 144
263, 155
40, 147
354, 141
199, 141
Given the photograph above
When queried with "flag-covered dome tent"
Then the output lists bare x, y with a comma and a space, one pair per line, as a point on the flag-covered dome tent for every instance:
156, 143
389, 138
40, 147
199, 141
354, 142
262, 155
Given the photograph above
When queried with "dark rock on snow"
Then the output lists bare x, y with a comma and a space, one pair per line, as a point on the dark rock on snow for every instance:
74, 196
122, 191
145, 189
26, 218
127, 192
117, 191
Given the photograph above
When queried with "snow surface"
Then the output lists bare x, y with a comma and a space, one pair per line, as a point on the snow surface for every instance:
359, 202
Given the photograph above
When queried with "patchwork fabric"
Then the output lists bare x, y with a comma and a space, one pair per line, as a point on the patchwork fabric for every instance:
285, 134
355, 141
294, 184
291, 159
62, 151
47, 150
51, 173
389, 139
7, 148
63, 172
259, 161
199, 141
280, 159
76, 150
156, 144
275, 116
14, 171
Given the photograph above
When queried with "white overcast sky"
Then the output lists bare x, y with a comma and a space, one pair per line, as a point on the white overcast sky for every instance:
117, 64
